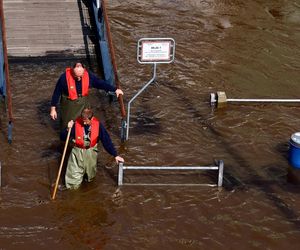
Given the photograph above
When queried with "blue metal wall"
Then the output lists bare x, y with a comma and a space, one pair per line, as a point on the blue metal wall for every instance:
104, 47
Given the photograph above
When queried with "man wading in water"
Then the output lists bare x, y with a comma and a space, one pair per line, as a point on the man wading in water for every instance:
86, 133
72, 88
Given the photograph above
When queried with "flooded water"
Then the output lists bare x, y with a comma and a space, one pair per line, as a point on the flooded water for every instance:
249, 49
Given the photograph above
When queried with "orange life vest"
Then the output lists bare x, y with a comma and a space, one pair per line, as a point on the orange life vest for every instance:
79, 132
72, 87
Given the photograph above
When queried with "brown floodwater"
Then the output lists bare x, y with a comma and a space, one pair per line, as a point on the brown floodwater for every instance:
250, 49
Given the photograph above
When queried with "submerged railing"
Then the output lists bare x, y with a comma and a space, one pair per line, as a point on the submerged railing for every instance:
5, 92
219, 167
108, 53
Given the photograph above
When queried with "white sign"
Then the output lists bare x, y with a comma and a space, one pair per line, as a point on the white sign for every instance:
156, 50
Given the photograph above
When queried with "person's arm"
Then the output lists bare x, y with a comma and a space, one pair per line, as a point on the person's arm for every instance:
106, 141
108, 145
64, 133
58, 90
56, 96
95, 82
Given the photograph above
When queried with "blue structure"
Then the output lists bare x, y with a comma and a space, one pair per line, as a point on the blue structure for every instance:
4, 82
108, 54
2, 72
103, 42
294, 150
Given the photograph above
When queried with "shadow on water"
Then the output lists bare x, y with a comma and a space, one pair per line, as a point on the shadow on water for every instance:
43, 109
255, 179
111, 172
283, 150
146, 123
56, 147
53, 168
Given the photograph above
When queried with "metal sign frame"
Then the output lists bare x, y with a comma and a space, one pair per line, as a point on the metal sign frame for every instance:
155, 50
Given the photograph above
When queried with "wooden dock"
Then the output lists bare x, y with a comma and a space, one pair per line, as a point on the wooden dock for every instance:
55, 28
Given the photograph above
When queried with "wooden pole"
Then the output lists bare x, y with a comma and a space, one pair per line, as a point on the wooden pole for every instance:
112, 53
61, 164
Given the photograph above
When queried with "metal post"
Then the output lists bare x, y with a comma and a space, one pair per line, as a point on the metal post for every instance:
135, 96
10, 127
120, 177
221, 170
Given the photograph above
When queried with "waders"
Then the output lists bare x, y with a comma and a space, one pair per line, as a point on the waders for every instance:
71, 109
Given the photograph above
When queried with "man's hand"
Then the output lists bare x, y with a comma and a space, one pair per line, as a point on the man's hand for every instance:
119, 159
53, 113
70, 124
119, 92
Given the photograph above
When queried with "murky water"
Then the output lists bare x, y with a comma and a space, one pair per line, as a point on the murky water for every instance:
250, 49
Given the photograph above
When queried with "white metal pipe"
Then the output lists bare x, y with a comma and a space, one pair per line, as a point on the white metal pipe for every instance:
172, 167
120, 175
220, 176
169, 184
263, 100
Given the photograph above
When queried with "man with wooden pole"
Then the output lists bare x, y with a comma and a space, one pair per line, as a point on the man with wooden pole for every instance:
86, 134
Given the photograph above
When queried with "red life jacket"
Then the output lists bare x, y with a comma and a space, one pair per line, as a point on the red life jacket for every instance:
79, 132
72, 87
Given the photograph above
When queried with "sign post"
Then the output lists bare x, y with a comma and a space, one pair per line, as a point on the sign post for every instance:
152, 51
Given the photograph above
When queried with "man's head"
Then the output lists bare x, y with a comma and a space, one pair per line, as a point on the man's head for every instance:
87, 115
78, 69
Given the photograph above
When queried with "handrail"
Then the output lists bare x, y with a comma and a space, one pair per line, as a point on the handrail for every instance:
6, 68
112, 53
219, 166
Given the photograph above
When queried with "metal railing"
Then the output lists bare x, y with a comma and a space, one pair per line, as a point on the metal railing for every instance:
108, 53
219, 167
5, 90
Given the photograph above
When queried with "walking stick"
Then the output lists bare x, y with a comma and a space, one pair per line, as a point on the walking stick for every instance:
61, 164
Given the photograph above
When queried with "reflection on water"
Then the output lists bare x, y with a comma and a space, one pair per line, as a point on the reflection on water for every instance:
247, 49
